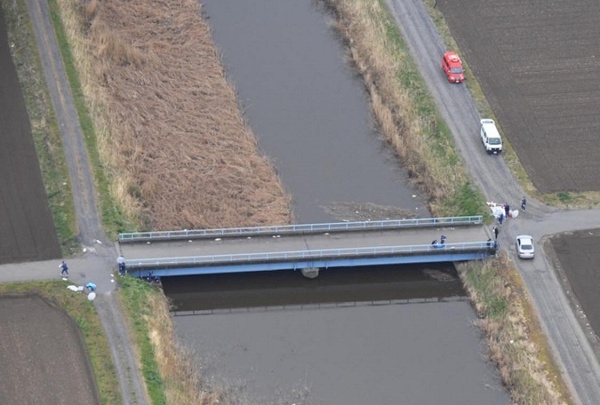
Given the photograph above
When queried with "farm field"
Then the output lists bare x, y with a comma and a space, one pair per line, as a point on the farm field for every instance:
537, 64
27, 228
28, 234
43, 355
577, 253
539, 67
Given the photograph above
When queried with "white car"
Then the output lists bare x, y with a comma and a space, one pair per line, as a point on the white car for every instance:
525, 249
492, 141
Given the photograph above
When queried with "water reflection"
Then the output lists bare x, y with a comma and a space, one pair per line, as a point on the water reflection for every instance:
281, 288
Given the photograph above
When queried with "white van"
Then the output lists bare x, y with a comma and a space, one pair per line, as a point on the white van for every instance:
492, 141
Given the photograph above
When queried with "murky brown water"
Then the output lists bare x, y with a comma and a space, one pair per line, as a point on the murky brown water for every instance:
306, 107
395, 354
388, 335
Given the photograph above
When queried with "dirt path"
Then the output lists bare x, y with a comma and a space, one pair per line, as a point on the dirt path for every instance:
561, 325
100, 251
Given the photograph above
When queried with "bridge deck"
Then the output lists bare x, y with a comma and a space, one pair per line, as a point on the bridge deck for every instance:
287, 243
301, 248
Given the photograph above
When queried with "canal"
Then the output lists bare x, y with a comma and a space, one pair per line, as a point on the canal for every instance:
399, 334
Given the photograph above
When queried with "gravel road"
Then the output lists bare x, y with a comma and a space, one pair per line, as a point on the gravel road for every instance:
101, 253
566, 336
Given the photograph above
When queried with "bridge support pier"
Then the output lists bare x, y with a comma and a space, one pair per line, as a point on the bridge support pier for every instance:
311, 272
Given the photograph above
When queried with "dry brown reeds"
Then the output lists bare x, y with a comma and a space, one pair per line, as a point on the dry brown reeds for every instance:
515, 340
168, 124
412, 130
183, 386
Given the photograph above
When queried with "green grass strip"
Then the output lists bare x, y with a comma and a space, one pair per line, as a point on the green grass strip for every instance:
112, 217
135, 293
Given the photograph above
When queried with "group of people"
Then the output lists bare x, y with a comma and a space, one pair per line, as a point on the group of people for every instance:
507, 212
91, 287
64, 272
495, 229
441, 243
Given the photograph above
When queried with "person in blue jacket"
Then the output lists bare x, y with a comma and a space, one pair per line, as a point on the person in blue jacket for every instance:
91, 287
64, 269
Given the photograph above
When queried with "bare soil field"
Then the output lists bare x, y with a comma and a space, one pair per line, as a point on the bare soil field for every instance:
537, 64
578, 255
539, 67
42, 355
25, 219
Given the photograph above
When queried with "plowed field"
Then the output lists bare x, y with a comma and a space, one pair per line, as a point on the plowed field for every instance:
538, 63
27, 230
44, 360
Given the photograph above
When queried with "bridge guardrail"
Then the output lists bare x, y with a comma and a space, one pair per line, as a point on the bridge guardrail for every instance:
133, 237
188, 261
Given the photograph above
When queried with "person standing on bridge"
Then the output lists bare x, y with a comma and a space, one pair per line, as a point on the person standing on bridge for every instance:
121, 263
496, 230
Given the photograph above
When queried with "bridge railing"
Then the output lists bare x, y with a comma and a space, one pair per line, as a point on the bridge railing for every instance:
302, 255
300, 228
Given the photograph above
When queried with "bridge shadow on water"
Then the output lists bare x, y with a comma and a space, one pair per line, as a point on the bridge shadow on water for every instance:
336, 285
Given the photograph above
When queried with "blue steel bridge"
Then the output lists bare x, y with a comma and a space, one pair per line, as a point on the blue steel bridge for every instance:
305, 246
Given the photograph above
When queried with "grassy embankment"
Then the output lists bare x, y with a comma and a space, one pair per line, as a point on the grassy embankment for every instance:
56, 179
167, 366
175, 145
407, 117
44, 125
515, 338
113, 218
404, 110
517, 343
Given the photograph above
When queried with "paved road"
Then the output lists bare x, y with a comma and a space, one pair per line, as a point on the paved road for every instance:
456, 105
288, 243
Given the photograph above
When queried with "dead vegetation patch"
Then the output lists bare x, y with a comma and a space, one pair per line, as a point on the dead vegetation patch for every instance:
168, 124
356, 211
514, 336
400, 104
182, 383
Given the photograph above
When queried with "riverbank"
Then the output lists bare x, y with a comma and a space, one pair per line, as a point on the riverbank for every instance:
464, 195
397, 90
